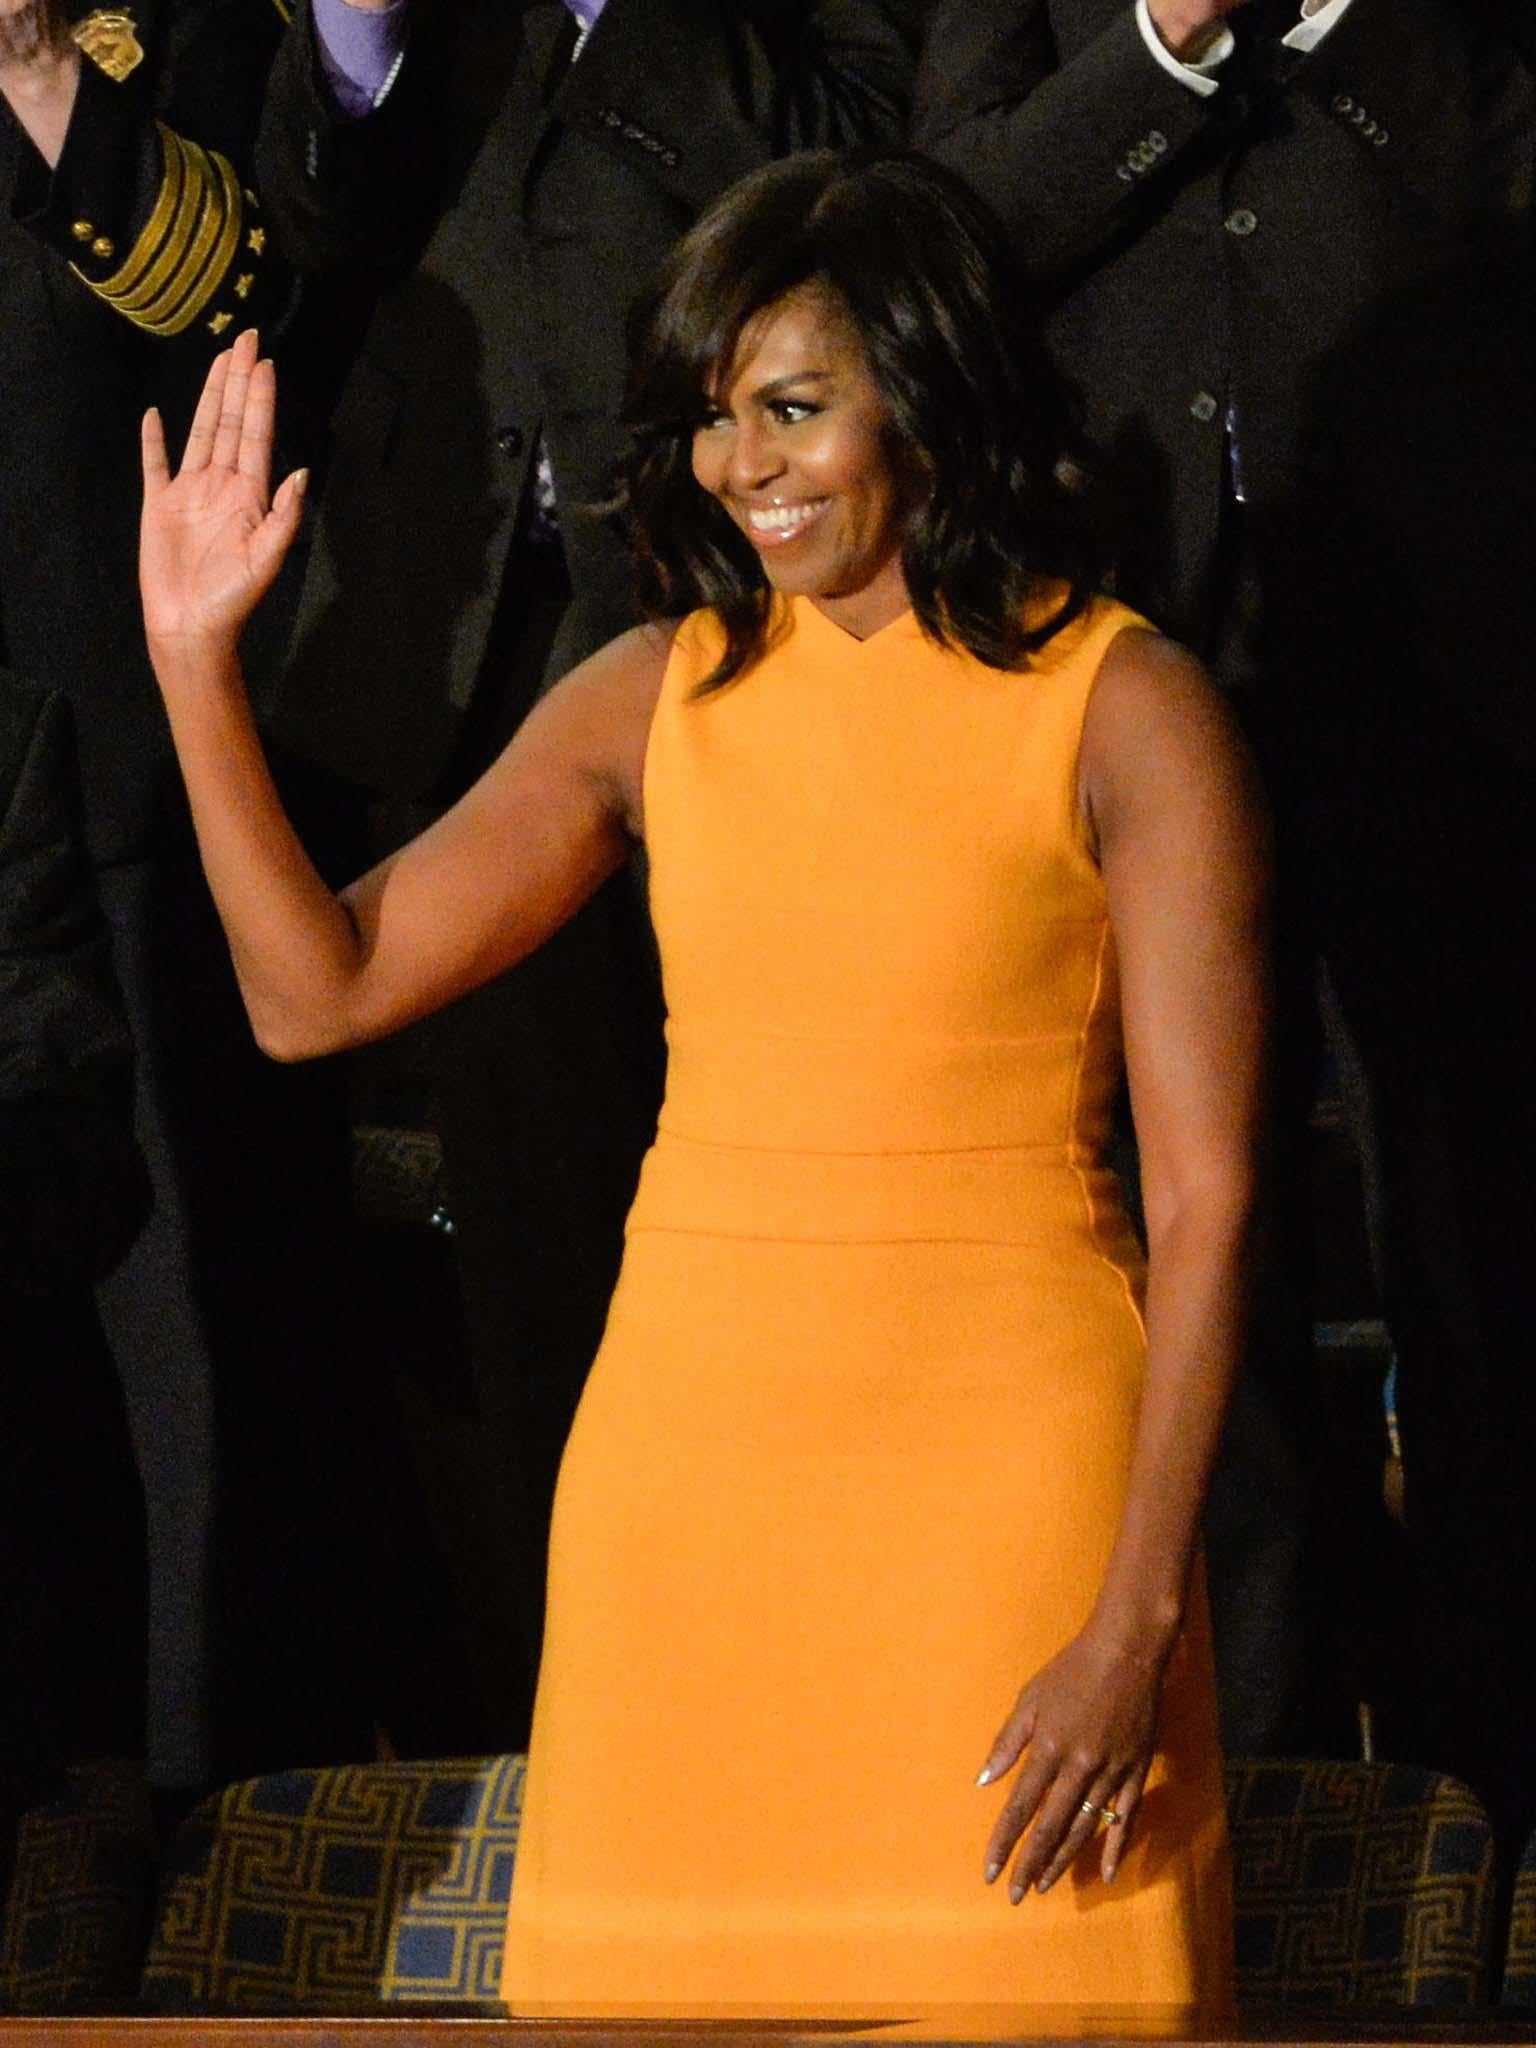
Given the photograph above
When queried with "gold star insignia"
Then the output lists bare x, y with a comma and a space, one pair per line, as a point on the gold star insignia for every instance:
243, 284
219, 322
256, 241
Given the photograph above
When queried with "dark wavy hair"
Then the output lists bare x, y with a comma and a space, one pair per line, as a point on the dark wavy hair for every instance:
982, 423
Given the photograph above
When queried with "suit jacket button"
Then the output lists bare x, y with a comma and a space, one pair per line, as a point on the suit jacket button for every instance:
1342, 103
510, 440
1203, 408
1157, 141
1242, 220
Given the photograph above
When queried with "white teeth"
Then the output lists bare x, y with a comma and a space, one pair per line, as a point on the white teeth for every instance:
780, 518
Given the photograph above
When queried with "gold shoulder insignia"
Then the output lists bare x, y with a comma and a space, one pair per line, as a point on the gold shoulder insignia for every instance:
187, 246
110, 38
284, 8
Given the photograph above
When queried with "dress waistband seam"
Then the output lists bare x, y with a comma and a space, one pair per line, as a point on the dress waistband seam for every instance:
1061, 1149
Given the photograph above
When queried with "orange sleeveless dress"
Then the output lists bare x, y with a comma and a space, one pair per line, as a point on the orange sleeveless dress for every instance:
852, 1455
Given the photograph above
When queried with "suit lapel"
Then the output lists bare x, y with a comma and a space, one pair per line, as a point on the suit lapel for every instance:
511, 59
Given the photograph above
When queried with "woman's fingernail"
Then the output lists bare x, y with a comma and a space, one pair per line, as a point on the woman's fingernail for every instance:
1045, 1884
984, 1775
300, 482
1016, 1892
991, 1872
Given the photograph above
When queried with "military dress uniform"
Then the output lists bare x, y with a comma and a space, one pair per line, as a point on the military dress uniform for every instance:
122, 270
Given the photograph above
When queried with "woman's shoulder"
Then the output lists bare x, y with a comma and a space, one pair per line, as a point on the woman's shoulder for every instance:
629, 667
1156, 726
599, 714
1142, 673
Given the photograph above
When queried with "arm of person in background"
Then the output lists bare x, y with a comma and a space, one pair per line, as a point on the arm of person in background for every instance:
554, 816
73, 1191
137, 165
1070, 152
1175, 813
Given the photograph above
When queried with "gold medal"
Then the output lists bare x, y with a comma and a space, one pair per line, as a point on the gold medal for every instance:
109, 38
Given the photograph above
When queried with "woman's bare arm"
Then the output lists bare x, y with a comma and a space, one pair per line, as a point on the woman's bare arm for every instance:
1180, 828
482, 888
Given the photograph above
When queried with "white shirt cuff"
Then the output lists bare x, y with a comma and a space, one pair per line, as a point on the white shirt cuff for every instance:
1200, 77
1311, 29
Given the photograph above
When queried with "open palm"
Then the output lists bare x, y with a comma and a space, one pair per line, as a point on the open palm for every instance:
211, 539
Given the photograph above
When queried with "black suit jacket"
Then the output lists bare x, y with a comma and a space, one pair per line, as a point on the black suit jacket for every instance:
521, 202
1254, 250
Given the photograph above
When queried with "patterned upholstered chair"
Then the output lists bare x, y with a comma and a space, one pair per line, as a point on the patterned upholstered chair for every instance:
73, 1928
337, 1888
1359, 1885
1520, 1956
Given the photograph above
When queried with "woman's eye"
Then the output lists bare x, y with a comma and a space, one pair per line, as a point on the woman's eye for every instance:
709, 419
790, 411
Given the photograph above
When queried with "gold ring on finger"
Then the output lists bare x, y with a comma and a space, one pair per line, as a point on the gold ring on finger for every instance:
1107, 1814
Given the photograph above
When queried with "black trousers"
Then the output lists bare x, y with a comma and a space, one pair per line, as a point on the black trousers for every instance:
1426, 902
246, 1402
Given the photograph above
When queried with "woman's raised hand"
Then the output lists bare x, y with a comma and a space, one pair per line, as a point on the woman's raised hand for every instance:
1085, 1727
211, 540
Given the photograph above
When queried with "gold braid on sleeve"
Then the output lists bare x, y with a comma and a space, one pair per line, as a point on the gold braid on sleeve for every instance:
189, 242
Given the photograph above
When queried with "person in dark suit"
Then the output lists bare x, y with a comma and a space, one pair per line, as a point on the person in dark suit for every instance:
516, 186
1286, 250
132, 240
73, 1193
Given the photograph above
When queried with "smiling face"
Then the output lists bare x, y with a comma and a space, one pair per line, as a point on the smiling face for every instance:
797, 448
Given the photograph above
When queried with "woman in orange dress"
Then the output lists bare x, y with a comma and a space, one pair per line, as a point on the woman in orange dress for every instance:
890, 1465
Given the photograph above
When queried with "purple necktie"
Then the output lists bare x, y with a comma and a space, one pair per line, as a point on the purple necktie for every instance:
586, 11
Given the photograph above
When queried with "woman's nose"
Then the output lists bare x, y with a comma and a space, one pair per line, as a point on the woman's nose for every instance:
756, 456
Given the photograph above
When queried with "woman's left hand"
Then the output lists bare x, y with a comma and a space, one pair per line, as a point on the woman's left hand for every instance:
1085, 1727
211, 539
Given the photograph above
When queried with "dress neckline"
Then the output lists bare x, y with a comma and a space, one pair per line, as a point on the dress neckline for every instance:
804, 611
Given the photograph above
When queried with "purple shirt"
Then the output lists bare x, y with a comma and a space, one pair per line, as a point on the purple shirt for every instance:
359, 50
361, 47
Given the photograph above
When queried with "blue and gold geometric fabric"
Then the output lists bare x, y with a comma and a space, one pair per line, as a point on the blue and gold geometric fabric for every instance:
332, 1888
1358, 1885
1520, 1956
73, 1926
